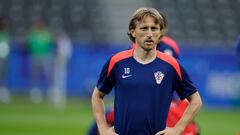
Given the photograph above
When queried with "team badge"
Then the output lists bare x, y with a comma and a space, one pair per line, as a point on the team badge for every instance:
158, 77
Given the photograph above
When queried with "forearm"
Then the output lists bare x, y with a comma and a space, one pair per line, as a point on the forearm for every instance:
99, 110
192, 109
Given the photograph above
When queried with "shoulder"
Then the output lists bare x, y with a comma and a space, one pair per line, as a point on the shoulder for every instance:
122, 55
118, 57
171, 43
170, 60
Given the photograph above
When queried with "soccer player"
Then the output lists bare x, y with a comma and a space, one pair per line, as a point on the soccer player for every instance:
177, 107
144, 80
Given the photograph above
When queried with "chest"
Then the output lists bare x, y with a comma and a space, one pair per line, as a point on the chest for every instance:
155, 74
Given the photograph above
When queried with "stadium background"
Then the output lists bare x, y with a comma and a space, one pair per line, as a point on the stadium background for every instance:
207, 33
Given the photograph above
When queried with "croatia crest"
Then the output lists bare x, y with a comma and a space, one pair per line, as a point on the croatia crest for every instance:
158, 77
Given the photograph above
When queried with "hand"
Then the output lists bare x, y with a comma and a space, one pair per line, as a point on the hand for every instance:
169, 131
109, 131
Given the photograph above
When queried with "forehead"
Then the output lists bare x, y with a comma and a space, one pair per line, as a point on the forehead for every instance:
148, 20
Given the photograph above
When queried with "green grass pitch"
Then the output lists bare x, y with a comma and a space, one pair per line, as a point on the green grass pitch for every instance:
21, 117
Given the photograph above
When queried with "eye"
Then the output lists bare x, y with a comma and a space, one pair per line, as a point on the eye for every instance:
144, 28
154, 28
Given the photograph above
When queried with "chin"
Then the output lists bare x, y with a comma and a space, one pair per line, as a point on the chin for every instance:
149, 48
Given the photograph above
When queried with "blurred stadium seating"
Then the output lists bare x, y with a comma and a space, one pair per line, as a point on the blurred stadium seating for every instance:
202, 20
106, 20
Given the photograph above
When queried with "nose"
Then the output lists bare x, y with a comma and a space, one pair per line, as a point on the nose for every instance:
149, 34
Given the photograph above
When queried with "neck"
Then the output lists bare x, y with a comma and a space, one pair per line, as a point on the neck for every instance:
143, 56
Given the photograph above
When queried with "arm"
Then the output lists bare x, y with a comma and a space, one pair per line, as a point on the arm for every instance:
194, 106
99, 113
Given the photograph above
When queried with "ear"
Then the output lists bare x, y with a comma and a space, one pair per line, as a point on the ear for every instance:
132, 32
162, 33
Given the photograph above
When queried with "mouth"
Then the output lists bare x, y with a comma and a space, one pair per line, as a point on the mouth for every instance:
149, 41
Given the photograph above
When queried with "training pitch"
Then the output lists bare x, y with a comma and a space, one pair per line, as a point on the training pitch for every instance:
21, 117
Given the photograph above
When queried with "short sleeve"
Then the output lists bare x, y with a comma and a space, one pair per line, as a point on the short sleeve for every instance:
184, 87
106, 81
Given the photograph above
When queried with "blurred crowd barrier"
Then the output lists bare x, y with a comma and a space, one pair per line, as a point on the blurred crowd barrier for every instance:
213, 70
216, 73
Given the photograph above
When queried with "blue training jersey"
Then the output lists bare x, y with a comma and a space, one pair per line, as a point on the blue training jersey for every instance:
143, 92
